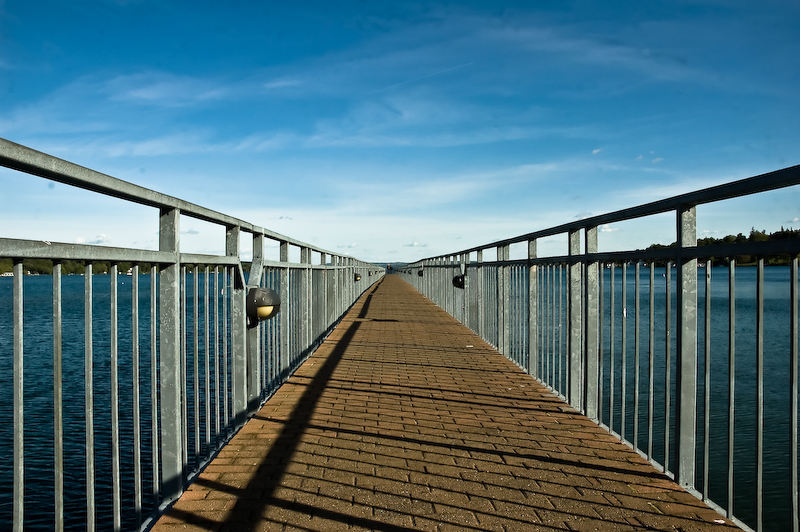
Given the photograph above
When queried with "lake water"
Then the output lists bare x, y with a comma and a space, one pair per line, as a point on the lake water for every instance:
38, 383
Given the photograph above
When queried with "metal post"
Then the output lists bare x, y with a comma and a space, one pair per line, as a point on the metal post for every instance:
575, 311
533, 311
19, 424
253, 345
285, 310
504, 299
305, 299
686, 378
481, 296
170, 356
238, 331
592, 340
58, 419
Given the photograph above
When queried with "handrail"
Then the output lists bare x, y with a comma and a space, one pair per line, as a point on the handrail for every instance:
752, 185
30, 161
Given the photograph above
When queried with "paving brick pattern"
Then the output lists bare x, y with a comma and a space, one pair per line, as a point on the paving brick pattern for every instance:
405, 420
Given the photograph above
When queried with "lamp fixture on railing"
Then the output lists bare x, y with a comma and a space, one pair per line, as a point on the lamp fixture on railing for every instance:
458, 281
262, 304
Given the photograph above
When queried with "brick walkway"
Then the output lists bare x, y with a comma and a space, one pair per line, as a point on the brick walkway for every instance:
405, 420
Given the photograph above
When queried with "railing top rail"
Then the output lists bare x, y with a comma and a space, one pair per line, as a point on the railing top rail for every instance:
30, 161
752, 185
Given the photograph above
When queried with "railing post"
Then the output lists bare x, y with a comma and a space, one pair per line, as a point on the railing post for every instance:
238, 331
686, 379
504, 300
172, 474
286, 309
575, 338
591, 328
337, 285
305, 297
465, 296
480, 296
322, 290
533, 311
253, 344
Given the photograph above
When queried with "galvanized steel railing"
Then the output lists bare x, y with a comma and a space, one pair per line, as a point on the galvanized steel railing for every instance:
193, 370
568, 321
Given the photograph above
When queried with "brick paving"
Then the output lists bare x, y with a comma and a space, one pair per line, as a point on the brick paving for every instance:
406, 420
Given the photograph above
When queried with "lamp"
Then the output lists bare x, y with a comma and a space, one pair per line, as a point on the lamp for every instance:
458, 281
262, 304
419, 273
358, 277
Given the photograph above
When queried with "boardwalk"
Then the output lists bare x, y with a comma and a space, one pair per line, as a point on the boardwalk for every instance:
405, 420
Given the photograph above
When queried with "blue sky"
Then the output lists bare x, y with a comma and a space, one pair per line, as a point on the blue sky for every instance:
394, 131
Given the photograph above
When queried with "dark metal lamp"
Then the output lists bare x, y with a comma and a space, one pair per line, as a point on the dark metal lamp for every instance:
262, 304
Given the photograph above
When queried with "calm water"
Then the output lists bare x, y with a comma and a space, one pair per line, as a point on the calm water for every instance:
38, 379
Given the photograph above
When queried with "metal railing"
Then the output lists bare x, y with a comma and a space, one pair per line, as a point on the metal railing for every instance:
152, 372
699, 376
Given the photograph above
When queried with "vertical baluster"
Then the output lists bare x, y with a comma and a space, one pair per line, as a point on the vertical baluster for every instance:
196, 362
707, 381
561, 321
19, 403
793, 300
731, 376
154, 380
600, 363
668, 362
137, 435
549, 327
184, 383
114, 370
58, 420
225, 348
651, 347
216, 355
207, 347
611, 335
624, 339
759, 392
636, 340
89, 400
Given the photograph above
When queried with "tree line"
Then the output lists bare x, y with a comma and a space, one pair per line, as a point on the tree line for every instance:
755, 235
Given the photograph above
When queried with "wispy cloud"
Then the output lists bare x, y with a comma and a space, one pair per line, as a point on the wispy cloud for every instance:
165, 89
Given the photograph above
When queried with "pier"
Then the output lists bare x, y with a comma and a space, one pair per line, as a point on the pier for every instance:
404, 419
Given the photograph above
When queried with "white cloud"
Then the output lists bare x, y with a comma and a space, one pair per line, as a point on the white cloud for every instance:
415, 245
281, 83
595, 152
657, 160
606, 228
165, 89
99, 239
